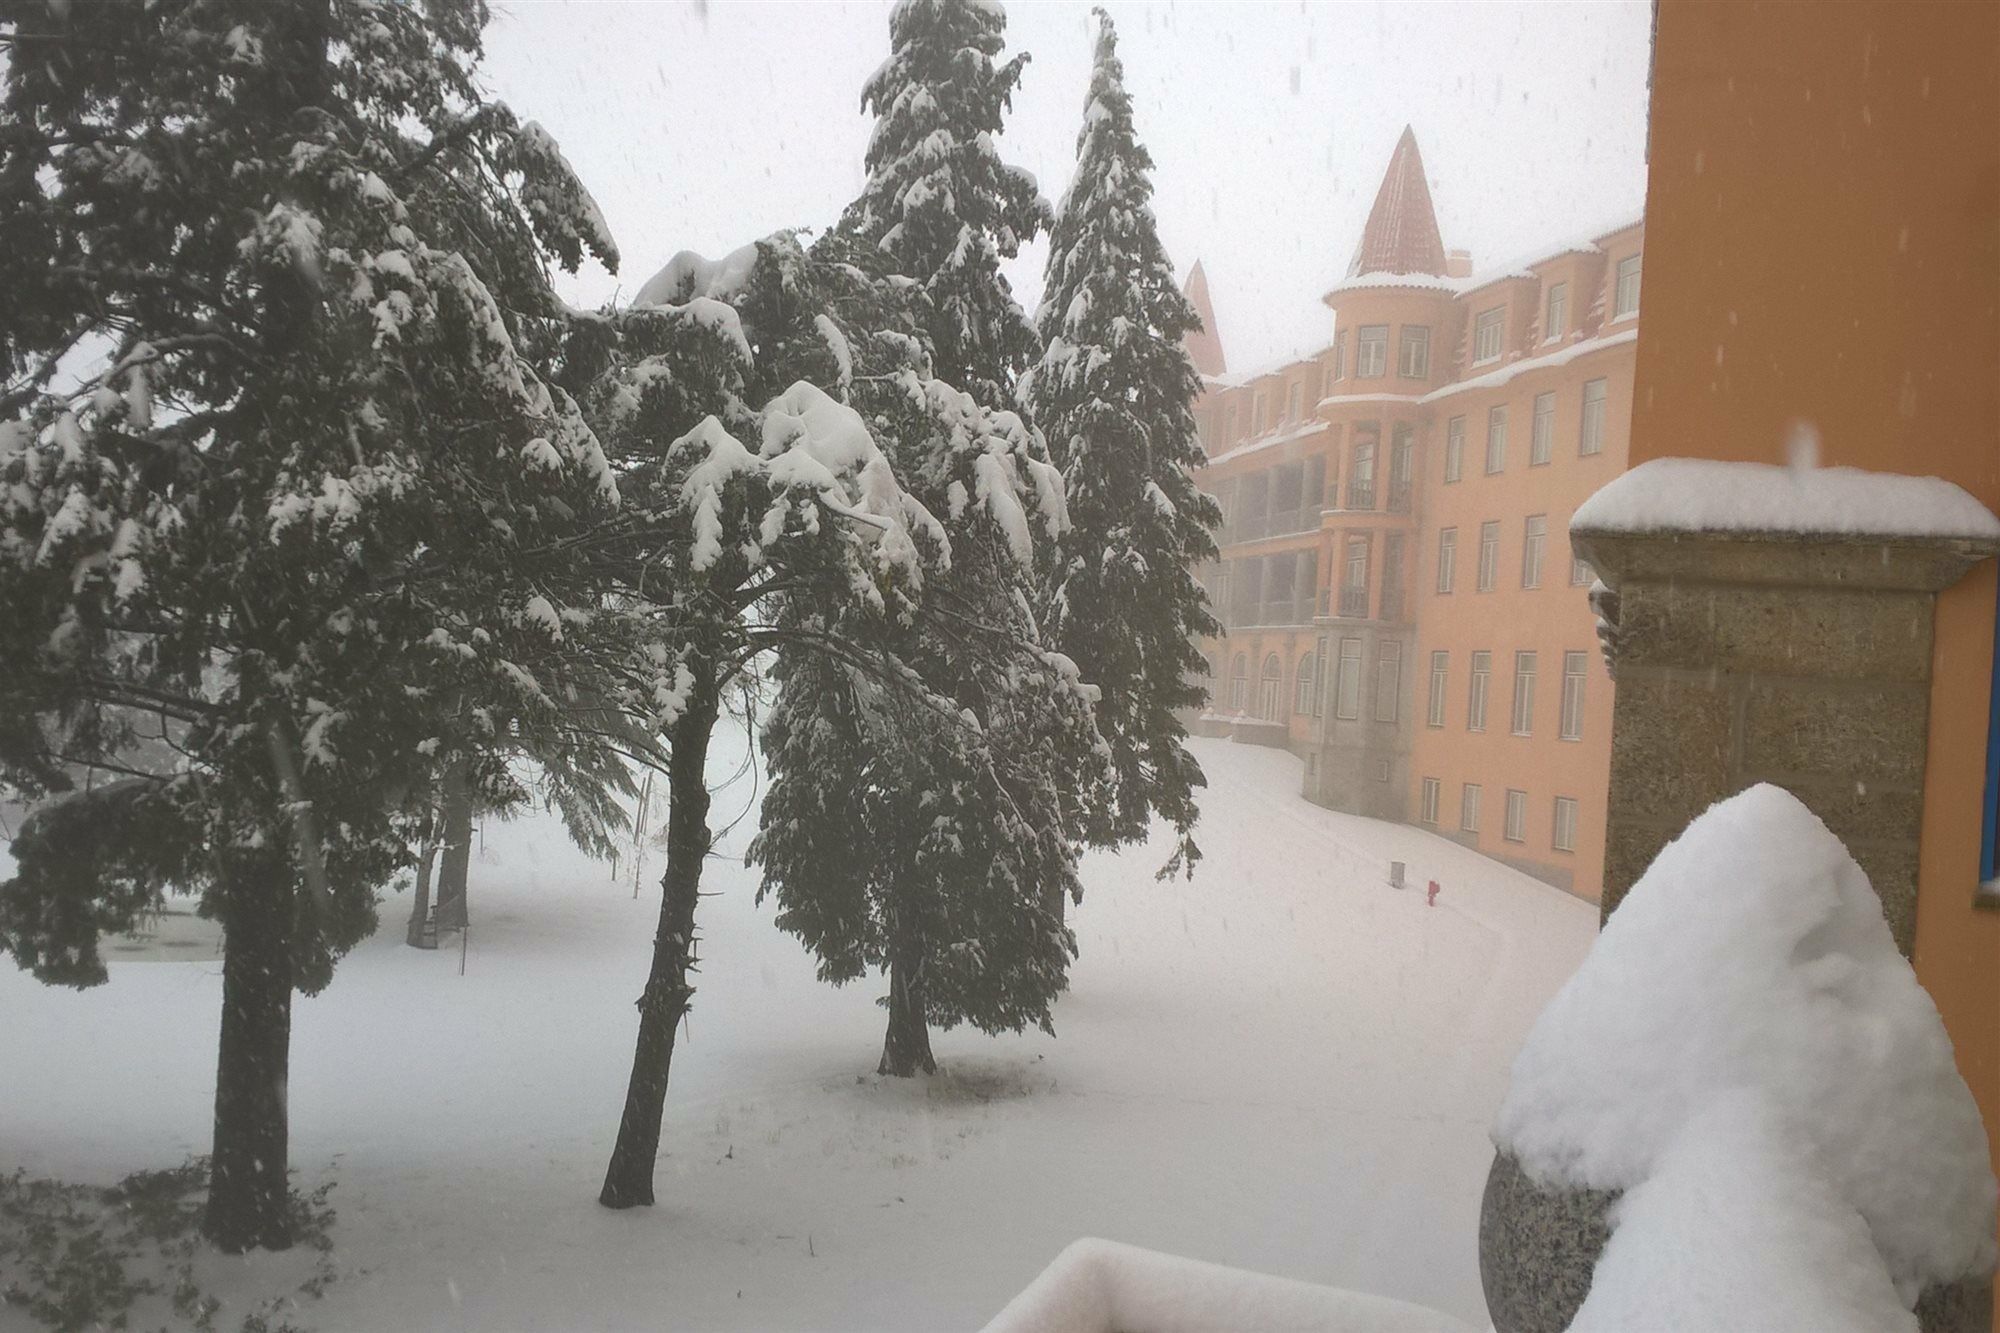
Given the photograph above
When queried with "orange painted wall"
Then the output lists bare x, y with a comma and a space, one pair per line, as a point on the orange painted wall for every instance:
1823, 220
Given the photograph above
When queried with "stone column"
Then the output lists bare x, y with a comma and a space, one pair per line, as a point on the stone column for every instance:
1797, 659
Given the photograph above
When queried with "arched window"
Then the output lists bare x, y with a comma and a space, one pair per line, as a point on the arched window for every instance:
1302, 702
1268, 691
1239, 683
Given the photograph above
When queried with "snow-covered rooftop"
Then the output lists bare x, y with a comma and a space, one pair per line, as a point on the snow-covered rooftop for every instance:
1521, 266
1493, 379
1708, 495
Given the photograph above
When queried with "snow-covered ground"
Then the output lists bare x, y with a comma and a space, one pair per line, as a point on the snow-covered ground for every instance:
1285, 1065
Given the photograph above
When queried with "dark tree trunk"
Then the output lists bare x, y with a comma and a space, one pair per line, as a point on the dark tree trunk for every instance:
247, 1192
628, 1181
420, 897
455, 862
906, 1050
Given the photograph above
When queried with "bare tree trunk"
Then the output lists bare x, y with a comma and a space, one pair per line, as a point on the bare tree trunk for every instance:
455, 863
247, 1190
906, 1049
628, 1181
420, 896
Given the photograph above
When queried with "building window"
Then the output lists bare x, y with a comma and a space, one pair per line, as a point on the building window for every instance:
1320, 679
1627, 299
1447, 558
1414, 360
1388, 680
1361, 478
1534, 536
1259, 418
1295, 402
1516, 829
1489, 555
1354, 579
1564, 838
1239, 683
1402, 466
1580, 573
1302, 703
1574, 670
1475, 696
1433, 795
1347, 690
1496, 440
1555, 320
1590, 440
1440, 679
1542, 437
1268, 692
1468, 807
1524, 692
1454, 449
1340, 355
1371, 351
1487, 332
1229, 424
1390, 602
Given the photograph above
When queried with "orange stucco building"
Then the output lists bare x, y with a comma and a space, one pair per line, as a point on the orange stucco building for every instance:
1400, 602
1825, 187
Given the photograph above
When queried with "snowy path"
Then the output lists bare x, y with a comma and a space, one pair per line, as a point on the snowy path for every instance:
1285, 1065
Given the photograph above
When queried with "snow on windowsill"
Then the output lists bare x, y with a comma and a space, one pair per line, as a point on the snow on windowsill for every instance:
1707, 495
1100, 1286
1493, 379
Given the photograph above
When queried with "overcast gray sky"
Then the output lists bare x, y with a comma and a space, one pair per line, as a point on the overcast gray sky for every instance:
704, 126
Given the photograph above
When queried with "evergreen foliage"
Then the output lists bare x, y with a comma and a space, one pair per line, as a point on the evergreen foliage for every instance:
282, 487
1114, 393
926, 830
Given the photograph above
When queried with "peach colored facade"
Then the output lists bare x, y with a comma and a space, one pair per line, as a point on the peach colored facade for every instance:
1350, 479
1826, 184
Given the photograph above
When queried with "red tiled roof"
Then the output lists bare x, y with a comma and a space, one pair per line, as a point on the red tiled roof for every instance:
1204, 345
1402, 231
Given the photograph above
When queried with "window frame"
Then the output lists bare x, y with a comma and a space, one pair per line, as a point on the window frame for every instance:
1491, 321
1478, 689
1417, 338
1447, 561
1627, 269
1488, 576
1388, 680
1576, 678
1555, 312
1454, 449
1469, 796
1369, 337
1514, 816
1562, 833
1496, 439
1431, 799
1434, 708
1271, 688
1347, 682
1534, 544
1590, 424
1526, 670
1542, 430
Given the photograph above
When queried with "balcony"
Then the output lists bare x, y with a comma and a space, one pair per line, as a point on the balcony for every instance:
1361, 494
1354, 603
1399, 497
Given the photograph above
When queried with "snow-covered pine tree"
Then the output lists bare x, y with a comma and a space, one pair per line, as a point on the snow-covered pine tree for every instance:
282, 491
939, 199
762, 528
1114, 395
929, 841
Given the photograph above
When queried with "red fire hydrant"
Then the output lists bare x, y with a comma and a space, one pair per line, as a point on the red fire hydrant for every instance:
1431, 895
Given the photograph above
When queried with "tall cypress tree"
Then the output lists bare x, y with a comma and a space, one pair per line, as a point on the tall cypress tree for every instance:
1114, 394
929, 839
288, 546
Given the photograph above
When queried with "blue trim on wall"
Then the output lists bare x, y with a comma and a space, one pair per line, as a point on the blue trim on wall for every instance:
1989, 847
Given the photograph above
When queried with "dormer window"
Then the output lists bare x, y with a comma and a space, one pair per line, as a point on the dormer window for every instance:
1555, 318
1626, 302
1487, 333
1340, 355
1257, 413
1295, 401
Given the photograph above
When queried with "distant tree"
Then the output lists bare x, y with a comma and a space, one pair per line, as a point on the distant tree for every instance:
1114, 394
284, 489
929, 840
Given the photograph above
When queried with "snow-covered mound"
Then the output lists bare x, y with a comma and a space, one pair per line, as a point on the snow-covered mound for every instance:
1739, 1229
1753, 955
